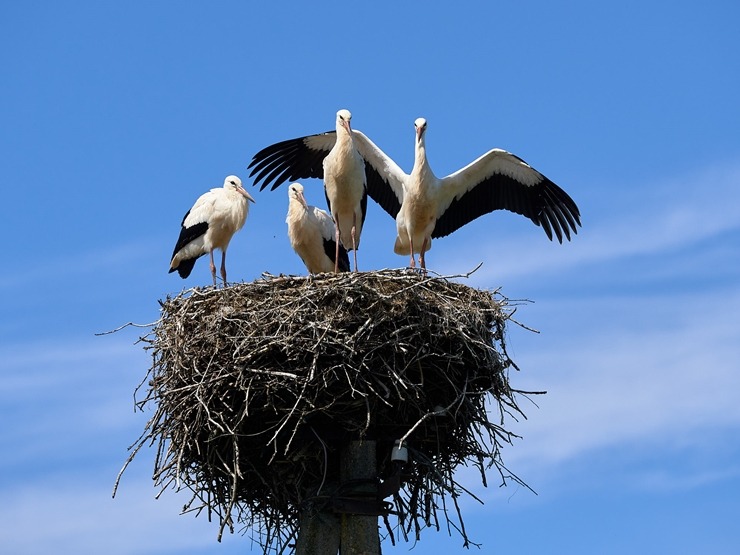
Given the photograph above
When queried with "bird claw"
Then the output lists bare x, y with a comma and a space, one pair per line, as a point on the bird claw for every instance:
416, 270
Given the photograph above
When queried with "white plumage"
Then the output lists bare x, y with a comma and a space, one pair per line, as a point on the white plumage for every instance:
344, 182
340, 166
433, 207
312, 234
424, 206
210, 224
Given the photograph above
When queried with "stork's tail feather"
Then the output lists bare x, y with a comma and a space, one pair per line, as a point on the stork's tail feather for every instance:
184, 267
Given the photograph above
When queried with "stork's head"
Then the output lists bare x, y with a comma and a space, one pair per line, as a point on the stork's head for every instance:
295, 192
343, 119
233, 183
421, 126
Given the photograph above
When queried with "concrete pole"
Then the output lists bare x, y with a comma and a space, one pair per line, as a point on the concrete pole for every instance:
359, 533
318, 533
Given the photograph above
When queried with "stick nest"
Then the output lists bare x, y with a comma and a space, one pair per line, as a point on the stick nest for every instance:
256, 387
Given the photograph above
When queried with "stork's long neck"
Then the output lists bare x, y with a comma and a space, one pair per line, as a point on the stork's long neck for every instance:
421, 171
296, 219
345, 140
296, 208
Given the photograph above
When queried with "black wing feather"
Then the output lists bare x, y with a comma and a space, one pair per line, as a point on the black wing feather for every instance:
381, 192
188, 234
185, 267
288, 161
363, 205
330, 248
545, 203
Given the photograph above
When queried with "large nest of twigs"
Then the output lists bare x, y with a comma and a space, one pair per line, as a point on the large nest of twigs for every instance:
256, 387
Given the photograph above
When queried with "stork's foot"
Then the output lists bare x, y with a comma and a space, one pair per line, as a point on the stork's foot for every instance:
416, 270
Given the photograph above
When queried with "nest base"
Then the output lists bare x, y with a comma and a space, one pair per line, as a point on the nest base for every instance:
258, 387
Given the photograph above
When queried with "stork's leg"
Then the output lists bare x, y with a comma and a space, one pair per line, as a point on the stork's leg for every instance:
213, 269
422, 258
411, 248
336, 238
223, 266
354, 241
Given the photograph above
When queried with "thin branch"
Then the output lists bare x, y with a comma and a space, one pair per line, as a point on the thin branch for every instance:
254, 386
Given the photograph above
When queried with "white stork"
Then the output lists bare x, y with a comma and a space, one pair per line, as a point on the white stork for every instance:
210, 224
424, 206
332, 156
312, 234
433, 207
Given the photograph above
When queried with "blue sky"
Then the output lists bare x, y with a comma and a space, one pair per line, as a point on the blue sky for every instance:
116, 116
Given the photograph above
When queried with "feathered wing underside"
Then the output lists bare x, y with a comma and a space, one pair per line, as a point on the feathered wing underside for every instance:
302, 158
499, 180
384, 177
291, 160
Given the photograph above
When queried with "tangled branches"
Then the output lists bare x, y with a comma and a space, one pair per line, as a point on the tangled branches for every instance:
256, 388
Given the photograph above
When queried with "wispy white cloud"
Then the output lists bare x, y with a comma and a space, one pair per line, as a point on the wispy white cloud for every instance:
78, 515
66, 401
666, 479
645, 376
69, 416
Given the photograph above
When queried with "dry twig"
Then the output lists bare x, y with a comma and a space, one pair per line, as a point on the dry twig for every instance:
257, 386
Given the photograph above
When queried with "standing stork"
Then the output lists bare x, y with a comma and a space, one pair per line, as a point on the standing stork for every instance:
333, 157
433, 207
312, 234
210, 224
424, 206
